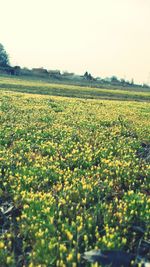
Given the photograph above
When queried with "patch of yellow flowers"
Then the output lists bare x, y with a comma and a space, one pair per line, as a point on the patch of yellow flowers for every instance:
76, 172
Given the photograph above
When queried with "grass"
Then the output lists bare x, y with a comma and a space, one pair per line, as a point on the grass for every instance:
41, 87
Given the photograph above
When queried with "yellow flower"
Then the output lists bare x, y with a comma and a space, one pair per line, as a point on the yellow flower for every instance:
70, 257
1, 245
69, 235
8, 260
85, 238
63, 248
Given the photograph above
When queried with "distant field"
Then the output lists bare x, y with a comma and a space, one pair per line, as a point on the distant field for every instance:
74, 173
45, 88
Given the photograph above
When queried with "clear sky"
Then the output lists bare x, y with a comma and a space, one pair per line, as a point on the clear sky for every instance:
104, 37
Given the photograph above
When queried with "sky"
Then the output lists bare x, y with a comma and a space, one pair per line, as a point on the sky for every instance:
103, 37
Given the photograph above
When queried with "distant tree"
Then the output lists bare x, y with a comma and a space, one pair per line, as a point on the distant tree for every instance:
122, 81
114, 79
4, 59
88, 76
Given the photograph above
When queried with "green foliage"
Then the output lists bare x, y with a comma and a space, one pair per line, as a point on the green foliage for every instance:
4, 59
74, 173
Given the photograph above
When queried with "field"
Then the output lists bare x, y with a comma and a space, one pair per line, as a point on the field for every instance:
74, 173
56, 89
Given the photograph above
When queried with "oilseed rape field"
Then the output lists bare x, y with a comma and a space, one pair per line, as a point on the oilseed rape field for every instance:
74, 176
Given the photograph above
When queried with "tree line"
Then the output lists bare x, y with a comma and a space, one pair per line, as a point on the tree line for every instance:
6, 68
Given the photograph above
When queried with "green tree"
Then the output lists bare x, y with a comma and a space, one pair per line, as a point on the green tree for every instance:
88, 76
4, 59
114, 79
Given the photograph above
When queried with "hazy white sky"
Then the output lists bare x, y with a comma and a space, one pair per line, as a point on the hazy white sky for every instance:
104, 37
